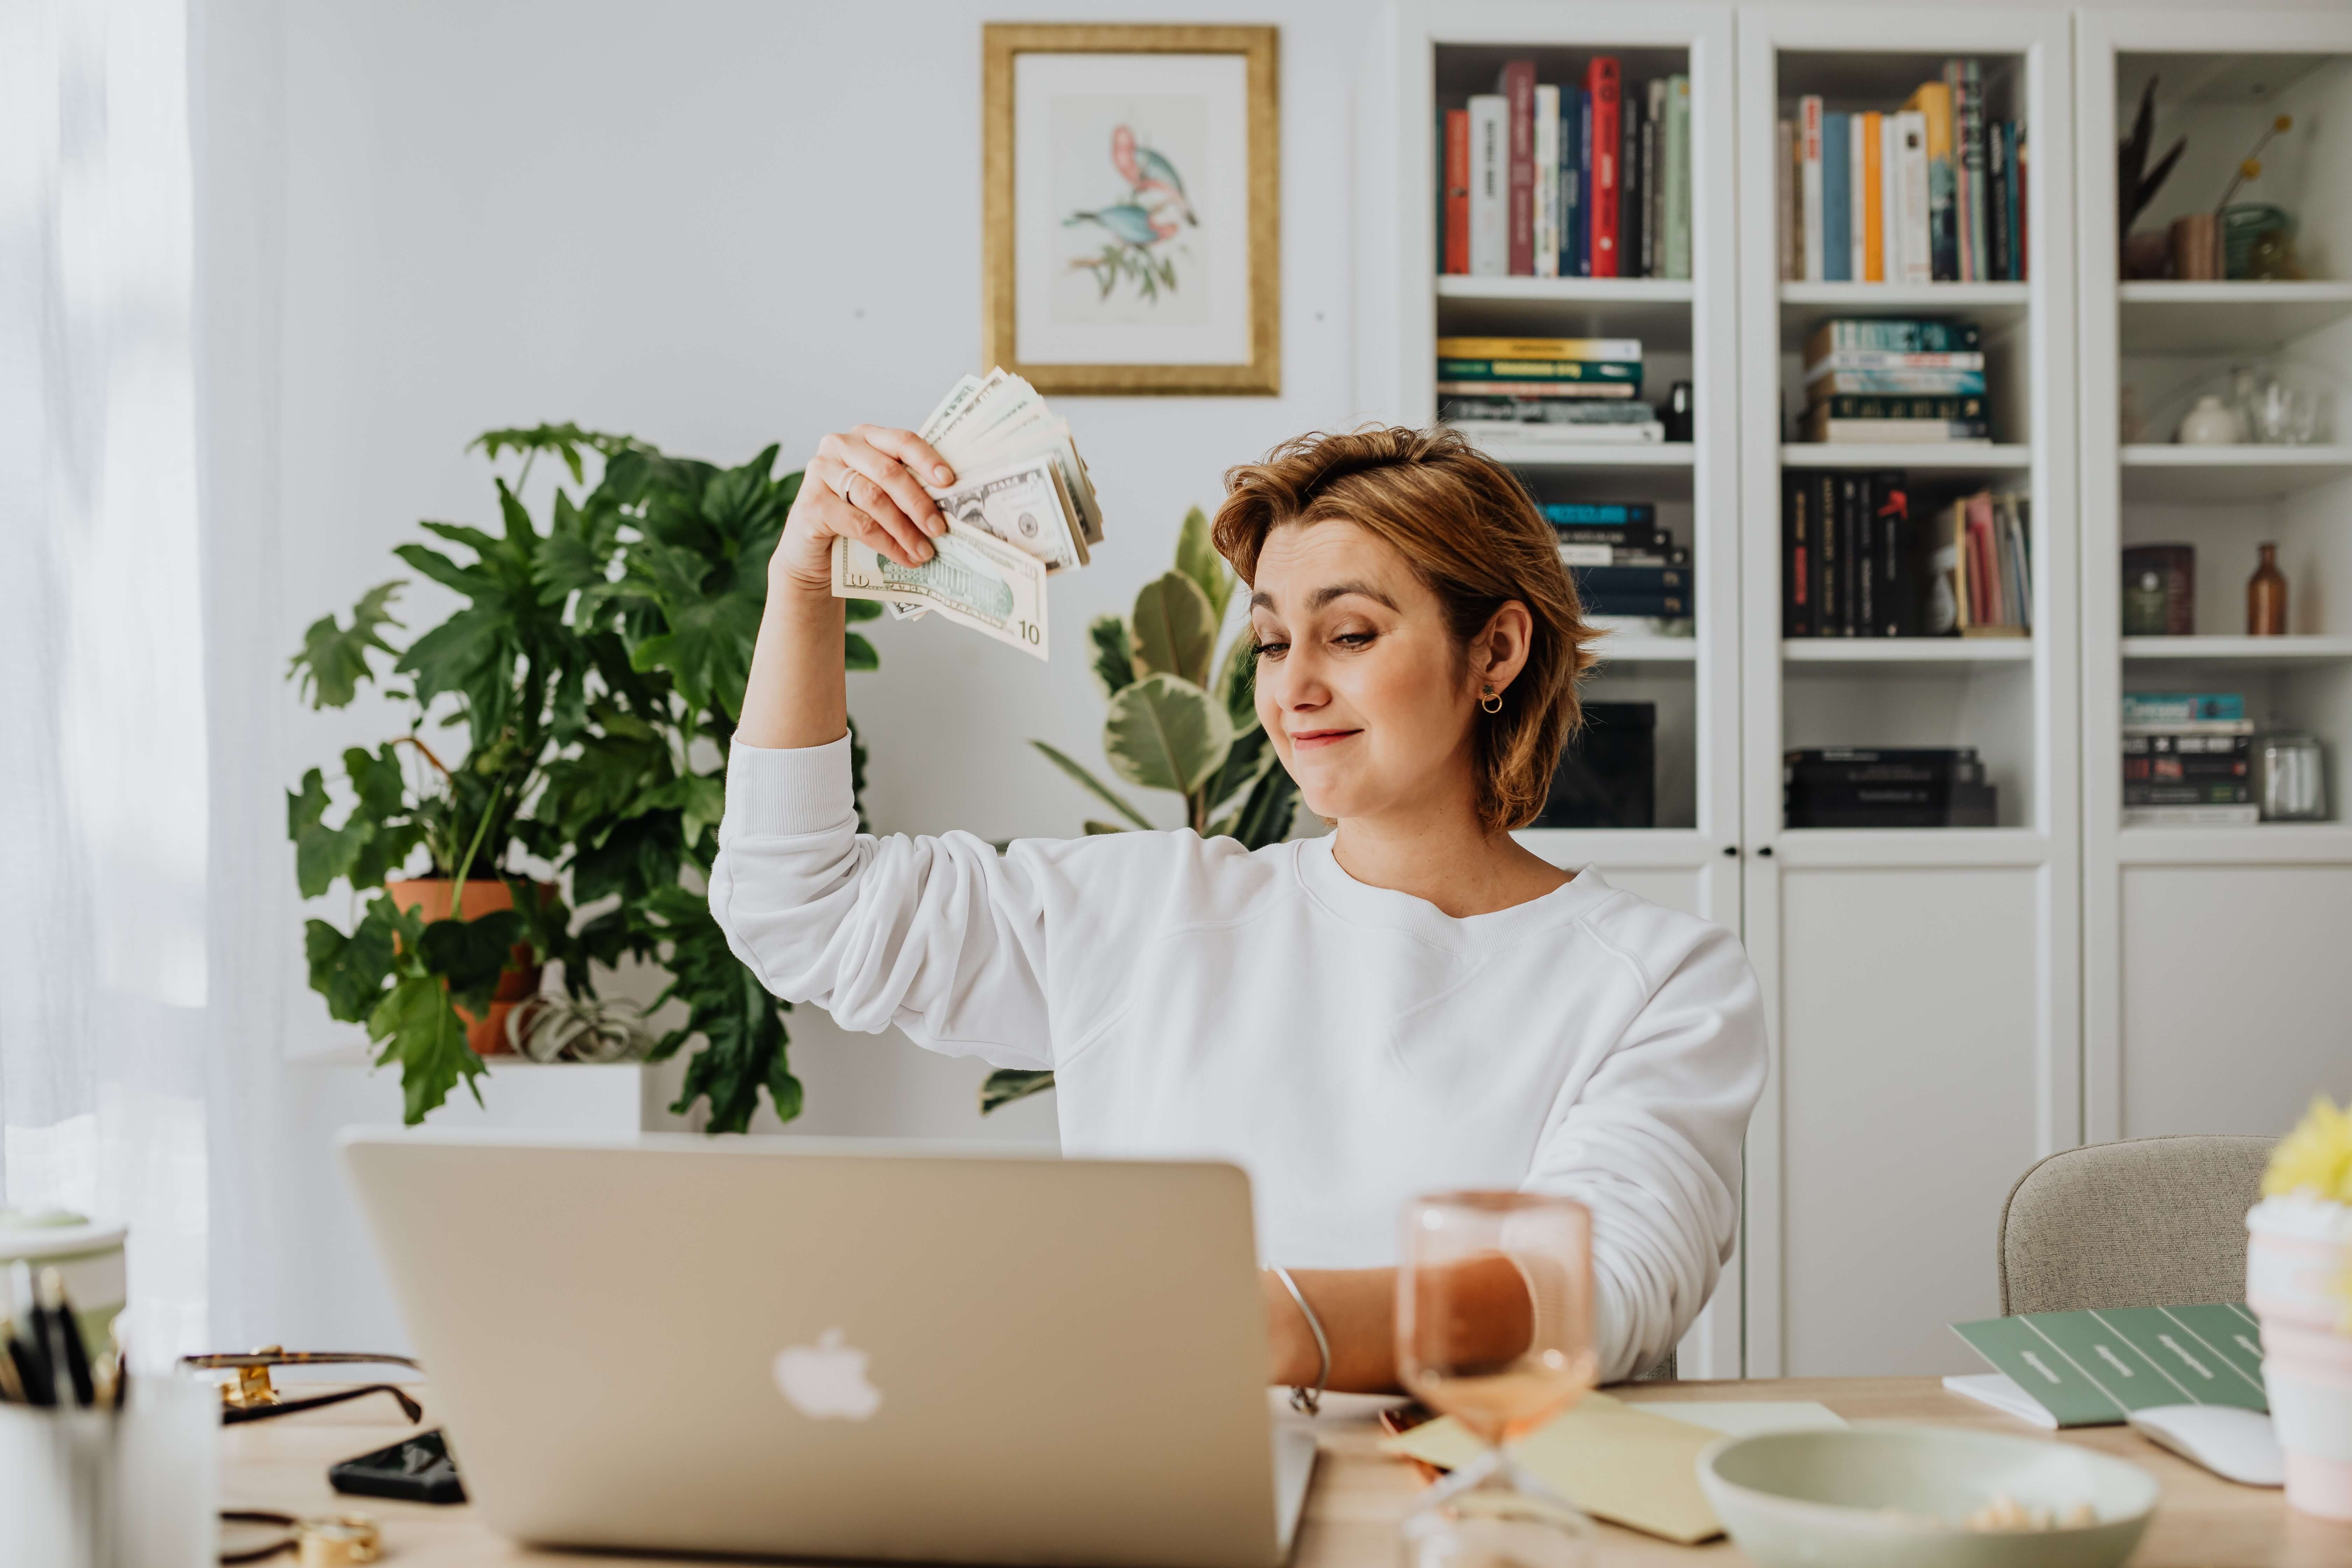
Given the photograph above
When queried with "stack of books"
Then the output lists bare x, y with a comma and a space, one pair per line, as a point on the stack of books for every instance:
2188, 760
1581, 181
1862, 555
1630, 574
1919, 379
1545, 389
1934, 192
1868, 786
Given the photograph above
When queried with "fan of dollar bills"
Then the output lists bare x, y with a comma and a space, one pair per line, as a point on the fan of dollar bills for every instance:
1021, 509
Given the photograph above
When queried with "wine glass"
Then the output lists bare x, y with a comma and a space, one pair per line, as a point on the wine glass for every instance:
1493, 1318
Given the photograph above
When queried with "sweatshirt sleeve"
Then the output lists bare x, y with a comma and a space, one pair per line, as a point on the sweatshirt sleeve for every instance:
1650, 1142
943, 937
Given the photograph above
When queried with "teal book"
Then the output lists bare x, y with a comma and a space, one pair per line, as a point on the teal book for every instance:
2092, 1368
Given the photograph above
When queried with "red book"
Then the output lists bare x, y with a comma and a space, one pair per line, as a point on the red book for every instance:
1457, 191
1517, 86
1601, 80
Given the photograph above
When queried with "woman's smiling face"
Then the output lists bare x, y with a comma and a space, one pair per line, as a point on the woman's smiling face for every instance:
1369, 698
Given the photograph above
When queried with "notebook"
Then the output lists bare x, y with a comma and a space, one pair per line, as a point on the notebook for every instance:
2092, 1368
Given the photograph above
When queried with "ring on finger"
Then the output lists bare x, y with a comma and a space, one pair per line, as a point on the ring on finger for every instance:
849, 476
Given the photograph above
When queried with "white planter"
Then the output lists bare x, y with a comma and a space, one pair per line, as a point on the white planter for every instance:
2298, 1271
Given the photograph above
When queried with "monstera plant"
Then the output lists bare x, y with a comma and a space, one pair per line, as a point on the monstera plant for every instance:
1182, 718
573, 713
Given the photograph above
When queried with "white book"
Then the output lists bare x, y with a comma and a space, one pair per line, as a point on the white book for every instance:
1490, 185
1890, 197
1547, 194
1857, 185
1911, 146
2191, 816
1784, 192
1808, 153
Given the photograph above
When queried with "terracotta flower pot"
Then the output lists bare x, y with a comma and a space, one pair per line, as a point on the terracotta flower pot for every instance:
429, 897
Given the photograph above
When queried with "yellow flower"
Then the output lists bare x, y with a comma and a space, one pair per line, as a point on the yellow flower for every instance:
2285, 123
2252, 168
2316, 1158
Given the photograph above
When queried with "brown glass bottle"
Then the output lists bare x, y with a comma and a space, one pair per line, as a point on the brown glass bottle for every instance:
2266, 597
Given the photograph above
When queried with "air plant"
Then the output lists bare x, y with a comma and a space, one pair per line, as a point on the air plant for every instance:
2135, 183
2249, 167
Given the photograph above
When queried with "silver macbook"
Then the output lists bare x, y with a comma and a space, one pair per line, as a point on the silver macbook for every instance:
814, 1349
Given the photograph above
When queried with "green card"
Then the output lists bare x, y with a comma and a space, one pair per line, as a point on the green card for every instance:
2090, 1369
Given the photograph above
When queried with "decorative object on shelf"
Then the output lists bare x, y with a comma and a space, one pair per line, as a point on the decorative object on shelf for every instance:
1182, 720
2290, 776
2249, 167
2299, 1284
1608, 774
554, 1028
2175, 567
1131, 207
2143, 603
1676, 412
588, 666
2282, 415
2210, 424
2245, 392
2197, 247
1868, 786
2248, 225
2144, 255
2266, 597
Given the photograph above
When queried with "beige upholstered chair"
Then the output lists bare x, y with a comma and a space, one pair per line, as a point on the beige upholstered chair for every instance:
2149, 1222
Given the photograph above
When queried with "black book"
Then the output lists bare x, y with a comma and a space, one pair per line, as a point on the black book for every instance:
1828, 604
1999, 150
1632, 105
1896, 614
2190, 792
1796, 558
1917, 756
1970, 806
1850, 552
1865, 555
1651, 238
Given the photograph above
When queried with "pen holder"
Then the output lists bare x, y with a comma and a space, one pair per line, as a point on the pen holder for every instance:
137, 1487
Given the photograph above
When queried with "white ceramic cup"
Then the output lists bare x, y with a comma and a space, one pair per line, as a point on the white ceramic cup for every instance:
2298, 1259
95, 1489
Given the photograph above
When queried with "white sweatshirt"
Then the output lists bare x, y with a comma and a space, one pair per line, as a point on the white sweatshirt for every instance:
1347, 1045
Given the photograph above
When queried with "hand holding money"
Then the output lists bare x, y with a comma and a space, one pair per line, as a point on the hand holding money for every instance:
1021, 506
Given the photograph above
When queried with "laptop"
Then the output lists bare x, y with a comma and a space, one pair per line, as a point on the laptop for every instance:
821, 1349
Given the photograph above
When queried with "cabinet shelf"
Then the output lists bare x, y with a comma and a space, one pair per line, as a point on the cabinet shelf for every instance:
2174, 473
1906, 650
1596, 454
2249, 652
1949, 457
1630, 649
2253, 844
2226, 318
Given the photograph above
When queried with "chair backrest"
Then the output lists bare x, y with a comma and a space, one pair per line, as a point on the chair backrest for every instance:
2149, 1222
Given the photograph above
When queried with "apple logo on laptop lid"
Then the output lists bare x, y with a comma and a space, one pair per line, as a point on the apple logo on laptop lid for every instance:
826, 1380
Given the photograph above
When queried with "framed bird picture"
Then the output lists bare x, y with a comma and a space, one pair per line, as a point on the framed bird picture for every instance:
1132, 205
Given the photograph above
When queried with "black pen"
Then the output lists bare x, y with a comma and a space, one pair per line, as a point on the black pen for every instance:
67, 1333
28, 1341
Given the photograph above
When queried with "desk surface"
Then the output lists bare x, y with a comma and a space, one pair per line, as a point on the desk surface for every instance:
1359, 1494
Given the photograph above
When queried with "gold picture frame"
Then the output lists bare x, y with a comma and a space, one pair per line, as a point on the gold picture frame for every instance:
1222, 356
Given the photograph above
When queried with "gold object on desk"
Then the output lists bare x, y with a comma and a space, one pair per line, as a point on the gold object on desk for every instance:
326, 1541
251, 1396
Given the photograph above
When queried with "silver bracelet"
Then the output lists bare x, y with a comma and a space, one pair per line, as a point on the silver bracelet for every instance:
1308, 1401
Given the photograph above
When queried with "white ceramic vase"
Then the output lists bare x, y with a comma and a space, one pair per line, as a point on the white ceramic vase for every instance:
2298, 1274
2210, 424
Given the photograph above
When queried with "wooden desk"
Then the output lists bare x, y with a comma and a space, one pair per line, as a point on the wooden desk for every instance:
1359, 1495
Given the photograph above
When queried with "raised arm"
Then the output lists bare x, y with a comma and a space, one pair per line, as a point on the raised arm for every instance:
861, 484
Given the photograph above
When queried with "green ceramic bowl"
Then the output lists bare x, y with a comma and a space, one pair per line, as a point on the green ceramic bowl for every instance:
1895, 1496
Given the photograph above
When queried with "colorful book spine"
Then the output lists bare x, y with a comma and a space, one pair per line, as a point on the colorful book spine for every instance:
1808, 185
1857, 189
1796, 558
2023, 197
1918, 265
1515, 85
1910, 335
1630, 130
1784, 195
1875, 208
1584, 202
1969, 132
1654, 168
1897, 383
1457, 191
1638, 514
1546, 371
1539, 348
1547, 185
1490, 195
1837, 198
1602, 80
1676, 201
1932, 101
1874, 359
1997, 156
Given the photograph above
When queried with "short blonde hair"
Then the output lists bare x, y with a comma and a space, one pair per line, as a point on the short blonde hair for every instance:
1472, 533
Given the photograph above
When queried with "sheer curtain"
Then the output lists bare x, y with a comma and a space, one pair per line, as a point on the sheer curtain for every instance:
108, 1033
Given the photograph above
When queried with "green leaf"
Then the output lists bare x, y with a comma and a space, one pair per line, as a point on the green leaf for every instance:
1167, 733
1264, 819
349, 971
333, 661
862, 609
1175, 630
1114, 653
471, 955
1002, 1088
705, 803
1095, 829
1094, 786
458, 654
376, 779
1237, 681
1197, 559
322, 853
742, 1026
857, 653
418, 1027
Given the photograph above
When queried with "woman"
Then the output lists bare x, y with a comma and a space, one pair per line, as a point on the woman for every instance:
1413, 1003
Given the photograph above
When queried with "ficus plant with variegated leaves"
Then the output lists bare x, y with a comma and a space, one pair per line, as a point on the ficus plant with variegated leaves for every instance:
1183, 718
574, 713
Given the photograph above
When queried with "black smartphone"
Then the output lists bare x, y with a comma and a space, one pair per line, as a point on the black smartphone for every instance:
414, 1470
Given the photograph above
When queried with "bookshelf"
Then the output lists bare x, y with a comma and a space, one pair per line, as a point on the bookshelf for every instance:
1920, 982
1430, 58
2172, 912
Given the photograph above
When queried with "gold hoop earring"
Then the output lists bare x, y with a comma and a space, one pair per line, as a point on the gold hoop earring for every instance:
1492, 702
